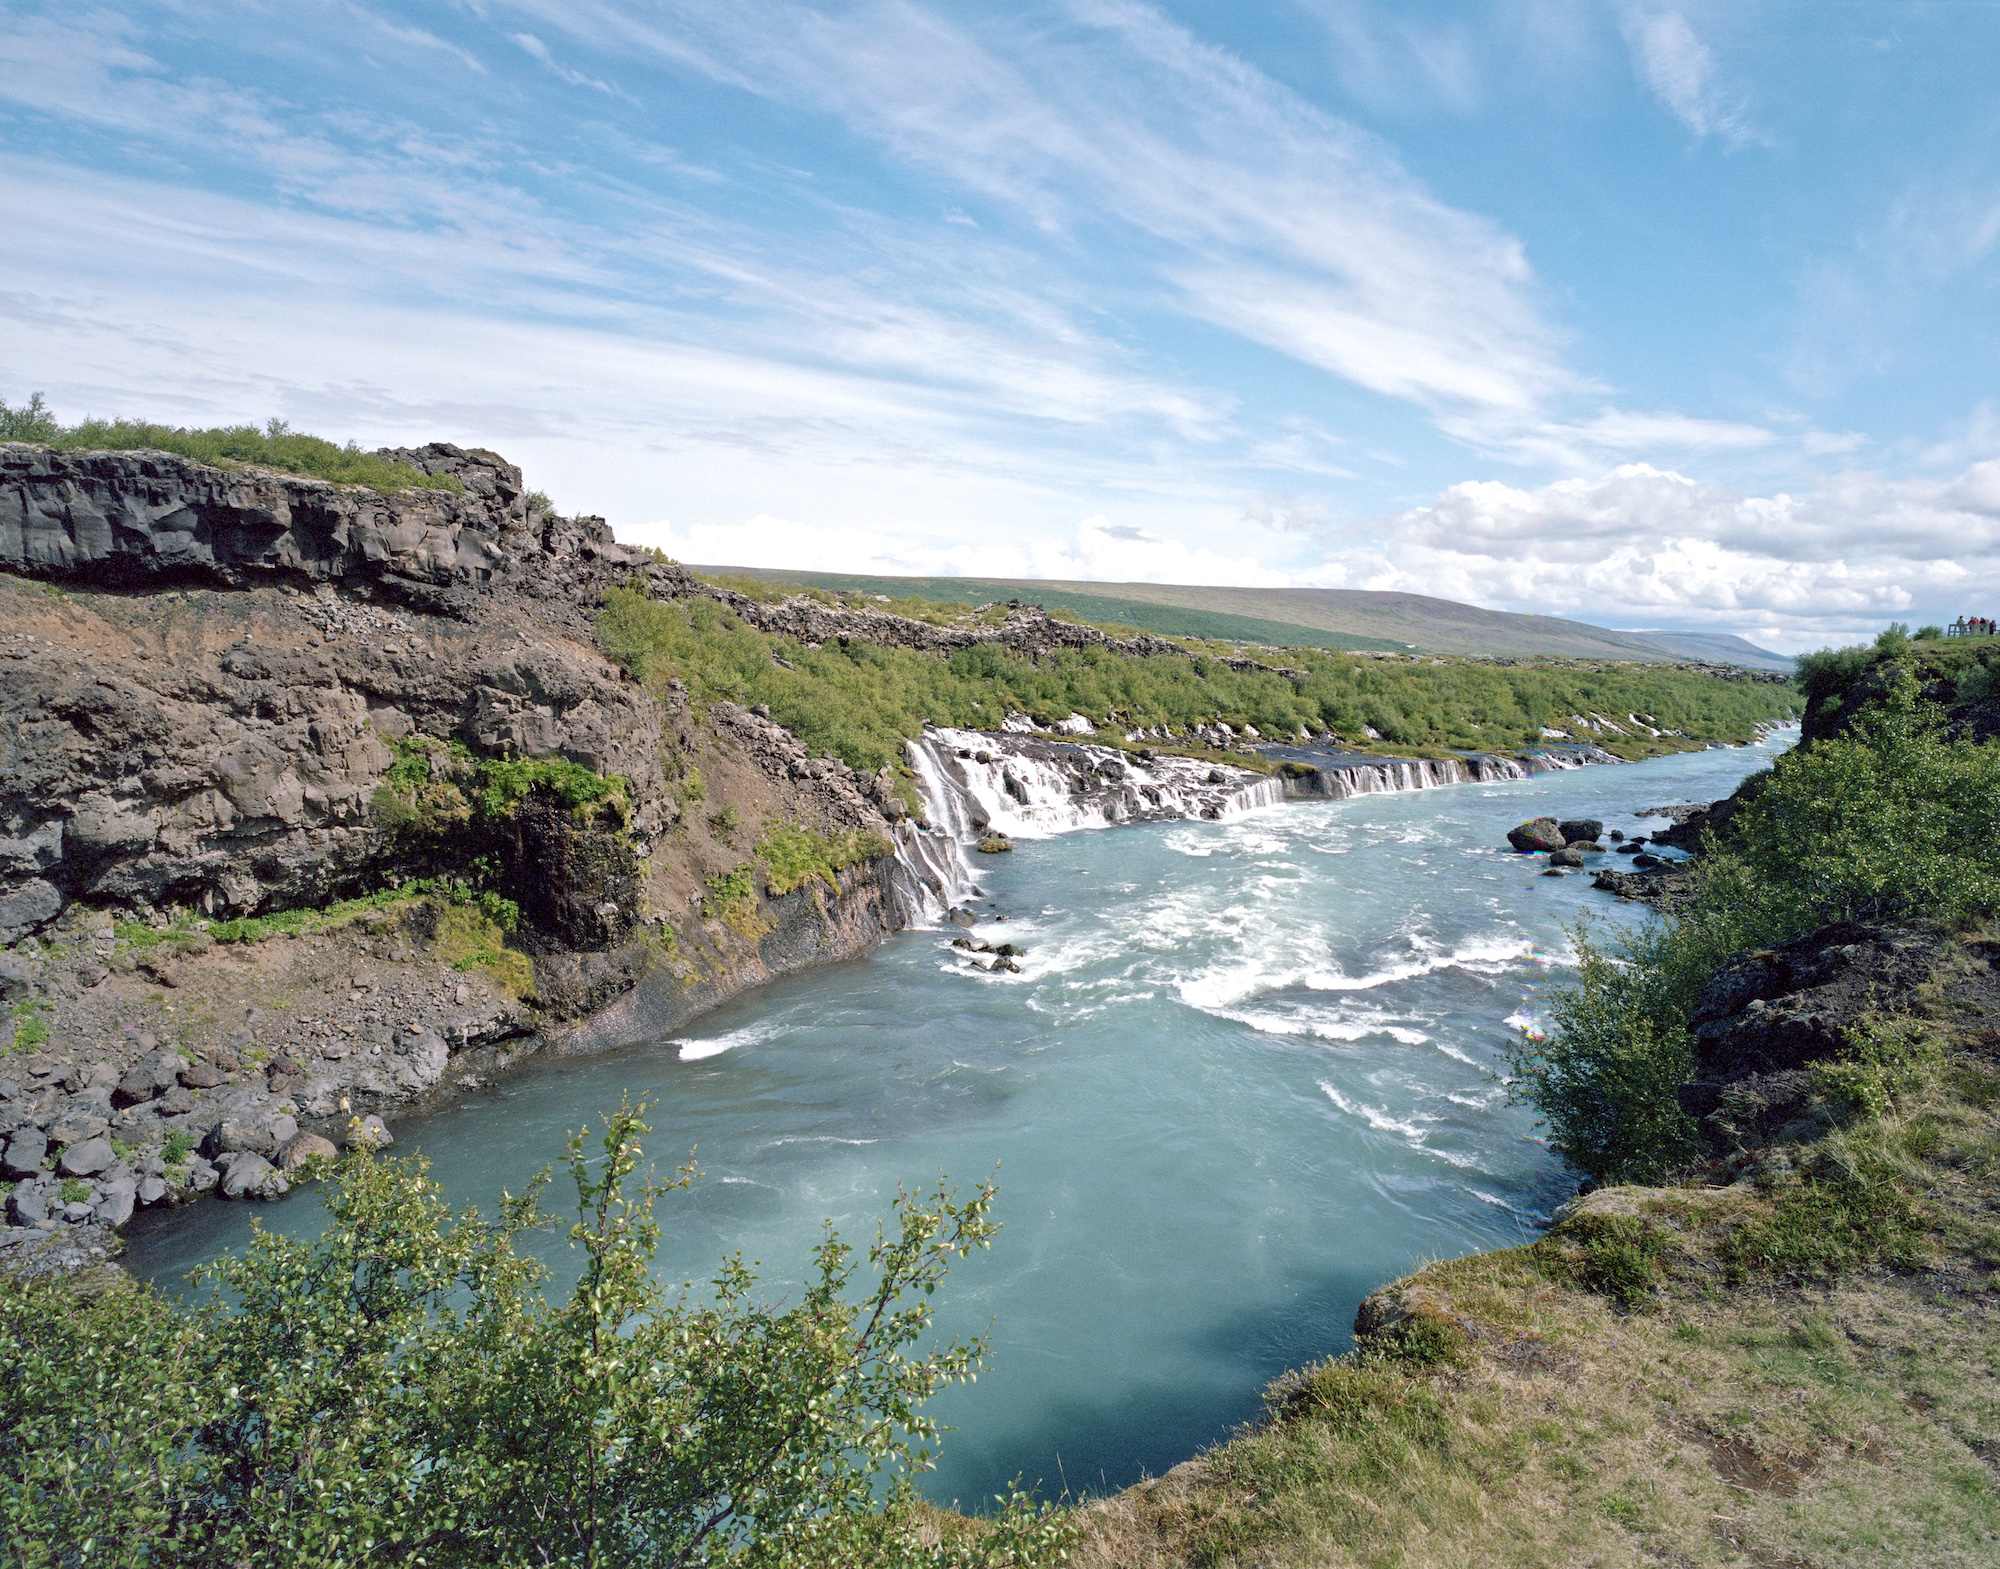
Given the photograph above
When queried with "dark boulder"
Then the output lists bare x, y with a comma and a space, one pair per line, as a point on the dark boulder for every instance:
1666, 886
26, 1149
242, 1131
1543, 833
247, 1175
28, 1205
152, 1075
1763, 1019
1576, 828
1565, 858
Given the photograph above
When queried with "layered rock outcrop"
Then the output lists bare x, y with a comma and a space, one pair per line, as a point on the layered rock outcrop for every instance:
138, 519
227, 693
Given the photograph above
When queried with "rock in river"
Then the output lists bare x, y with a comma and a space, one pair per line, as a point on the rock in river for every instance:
305, 1147
1543, 833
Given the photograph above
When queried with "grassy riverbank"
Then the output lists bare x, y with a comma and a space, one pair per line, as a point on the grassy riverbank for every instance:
1651, 1384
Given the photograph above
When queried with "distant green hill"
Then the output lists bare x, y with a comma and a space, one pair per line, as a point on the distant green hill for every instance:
1167, 620
1723, 647
1283, 617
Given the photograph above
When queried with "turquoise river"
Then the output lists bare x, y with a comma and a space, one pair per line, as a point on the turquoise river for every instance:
1250, 1071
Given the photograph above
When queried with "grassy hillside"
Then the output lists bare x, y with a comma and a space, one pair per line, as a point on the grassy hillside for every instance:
861, 700
1085, 604
1303, 617
1721, 646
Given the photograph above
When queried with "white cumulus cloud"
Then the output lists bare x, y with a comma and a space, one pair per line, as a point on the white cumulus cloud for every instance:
1643, 543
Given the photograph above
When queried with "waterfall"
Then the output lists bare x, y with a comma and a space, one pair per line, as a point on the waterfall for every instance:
978, 784
1029, 787
931, 855
1343, 781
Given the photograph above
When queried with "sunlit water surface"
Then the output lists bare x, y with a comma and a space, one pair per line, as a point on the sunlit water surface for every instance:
1248, 1073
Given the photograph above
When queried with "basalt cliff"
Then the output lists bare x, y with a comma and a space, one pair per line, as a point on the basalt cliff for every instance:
229, 693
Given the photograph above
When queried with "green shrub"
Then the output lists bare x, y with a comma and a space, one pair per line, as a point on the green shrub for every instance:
1603, 1078
179, 1146
793, 855
74, 1191
502, 784
399, 1390
435, 786
1885, 1059
275, 446
732, 897
32, 421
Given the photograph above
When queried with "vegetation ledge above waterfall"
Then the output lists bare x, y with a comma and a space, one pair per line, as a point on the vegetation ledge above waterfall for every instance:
857, 682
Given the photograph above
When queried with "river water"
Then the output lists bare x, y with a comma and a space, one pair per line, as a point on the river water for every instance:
1249, 1072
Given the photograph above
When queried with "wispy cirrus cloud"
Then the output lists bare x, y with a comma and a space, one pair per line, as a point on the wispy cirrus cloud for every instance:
1682, 73
1244, 206
1049, 140
1044, 288
535, 49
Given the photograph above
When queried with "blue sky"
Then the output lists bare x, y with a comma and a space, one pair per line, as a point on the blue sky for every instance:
1656, 315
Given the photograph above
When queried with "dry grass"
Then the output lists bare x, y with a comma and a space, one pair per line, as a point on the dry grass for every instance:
1641, 1388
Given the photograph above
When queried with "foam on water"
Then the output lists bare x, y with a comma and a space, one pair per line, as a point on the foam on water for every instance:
694, 1049
1250, 1070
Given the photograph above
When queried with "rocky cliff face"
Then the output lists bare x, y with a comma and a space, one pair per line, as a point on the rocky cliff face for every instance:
204, 675
1763, 1020
146, 518
230, 693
